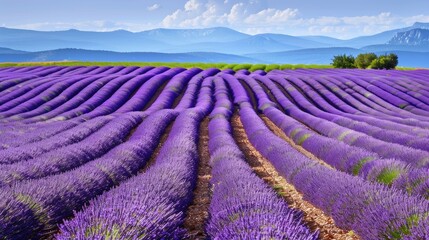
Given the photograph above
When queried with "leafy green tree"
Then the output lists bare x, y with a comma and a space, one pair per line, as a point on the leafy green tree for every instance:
364, 60
343, 61
385, 62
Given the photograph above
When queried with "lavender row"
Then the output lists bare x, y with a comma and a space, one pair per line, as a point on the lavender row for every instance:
49, 92
152, 204
72, 95
384, 109
85, 182
71, 156
96, 96
349, 159
243, 206
371, 210
73, 135
121, 97
32, 209
417, 158
394, 109
104, 81
56, 128
390, 98
412, 89
74, 155
339, 118
333, 86
22, 78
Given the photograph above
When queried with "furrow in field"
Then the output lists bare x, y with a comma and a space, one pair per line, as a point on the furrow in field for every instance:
313, 216
197, 212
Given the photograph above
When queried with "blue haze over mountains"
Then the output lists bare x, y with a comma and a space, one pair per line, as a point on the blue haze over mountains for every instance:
208, 45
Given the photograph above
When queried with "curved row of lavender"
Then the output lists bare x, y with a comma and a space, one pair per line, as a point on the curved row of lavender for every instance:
372, 210
242, 205
72, 137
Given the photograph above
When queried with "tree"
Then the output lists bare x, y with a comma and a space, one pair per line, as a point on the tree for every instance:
364, 60
385, 62
343, 61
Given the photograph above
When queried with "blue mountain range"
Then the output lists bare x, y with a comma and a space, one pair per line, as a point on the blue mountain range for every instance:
218, 44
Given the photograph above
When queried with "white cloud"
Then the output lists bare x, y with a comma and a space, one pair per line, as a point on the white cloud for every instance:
382, 18
153, 7
271, 16
244, 17
417, 18
207, 18
195, 14
171, 20
192, 5
236, 14
249, 18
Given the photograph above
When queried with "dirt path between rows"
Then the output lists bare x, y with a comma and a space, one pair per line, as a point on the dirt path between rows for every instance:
155, 153
279, 133
197, 213
316, 219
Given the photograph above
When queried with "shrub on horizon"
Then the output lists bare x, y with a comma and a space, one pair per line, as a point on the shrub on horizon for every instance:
385, 62
364, 60
343, 61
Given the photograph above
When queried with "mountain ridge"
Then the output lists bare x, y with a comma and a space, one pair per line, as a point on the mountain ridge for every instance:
224, 44
413, 37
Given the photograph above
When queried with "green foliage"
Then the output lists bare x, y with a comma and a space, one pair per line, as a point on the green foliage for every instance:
255, 67
387, 176
343, 61
242, 66
363, 60
358, 166
405, 229
302, 139
229, 66
268, 67
385, 62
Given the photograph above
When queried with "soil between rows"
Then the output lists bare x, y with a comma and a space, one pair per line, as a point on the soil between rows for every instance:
315, 218
197, 212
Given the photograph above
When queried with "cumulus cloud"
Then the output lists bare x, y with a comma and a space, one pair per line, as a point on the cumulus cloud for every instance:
272, 16
192, 5
170, 20
418, 18
249, 18
236, 14
195, 14
208, 17
153, 7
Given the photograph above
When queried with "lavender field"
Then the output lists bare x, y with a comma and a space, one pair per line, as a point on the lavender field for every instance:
176, 153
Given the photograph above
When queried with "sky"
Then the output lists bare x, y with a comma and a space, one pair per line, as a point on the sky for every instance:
336, 18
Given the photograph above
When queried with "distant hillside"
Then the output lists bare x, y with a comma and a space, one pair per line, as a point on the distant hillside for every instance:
383, 37
395, 47
218, 39
217, 44
106, 56
10, 51
414, 37
187, 36
325, 55
306, 56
